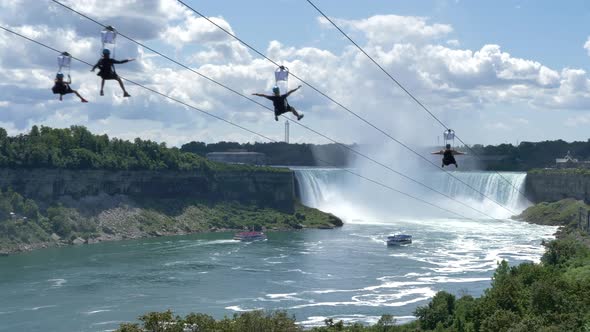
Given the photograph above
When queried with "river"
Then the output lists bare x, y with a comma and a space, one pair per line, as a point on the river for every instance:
347, 273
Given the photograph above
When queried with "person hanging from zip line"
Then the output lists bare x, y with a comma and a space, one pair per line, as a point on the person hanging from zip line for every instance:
106, 70
449, 155
62, 87
280, 102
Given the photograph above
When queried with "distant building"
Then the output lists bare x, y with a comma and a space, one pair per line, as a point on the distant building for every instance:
570, 162
238, 157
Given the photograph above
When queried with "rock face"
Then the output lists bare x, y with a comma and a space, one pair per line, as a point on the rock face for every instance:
78, 241
554, 185
263, 188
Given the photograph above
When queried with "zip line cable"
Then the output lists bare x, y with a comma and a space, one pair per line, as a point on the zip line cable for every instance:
409, 93
346, 108
288, 119
244, 128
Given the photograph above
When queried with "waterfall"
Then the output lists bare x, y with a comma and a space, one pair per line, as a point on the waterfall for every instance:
492, 184
335, 190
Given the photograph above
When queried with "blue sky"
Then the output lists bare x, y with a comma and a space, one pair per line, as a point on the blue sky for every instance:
551, 32
502, 71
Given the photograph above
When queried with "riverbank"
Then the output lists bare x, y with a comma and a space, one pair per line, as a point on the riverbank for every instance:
61, 226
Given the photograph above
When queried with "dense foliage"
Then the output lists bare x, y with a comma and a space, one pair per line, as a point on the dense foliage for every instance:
280, 153
22, 222
78, 148
529, 155
552, 296
253, 321
507, 157
565, 212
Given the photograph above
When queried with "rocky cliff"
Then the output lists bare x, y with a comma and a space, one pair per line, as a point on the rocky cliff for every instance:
551, 185
272, 189
50, 207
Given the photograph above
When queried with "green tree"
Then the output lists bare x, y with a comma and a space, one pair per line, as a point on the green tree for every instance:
439, 310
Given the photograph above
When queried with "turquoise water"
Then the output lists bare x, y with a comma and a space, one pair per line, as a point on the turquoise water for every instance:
346, 273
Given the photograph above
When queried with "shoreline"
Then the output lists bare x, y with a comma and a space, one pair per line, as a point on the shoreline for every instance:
130, 223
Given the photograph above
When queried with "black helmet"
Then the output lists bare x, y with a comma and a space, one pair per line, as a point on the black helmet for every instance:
448, 146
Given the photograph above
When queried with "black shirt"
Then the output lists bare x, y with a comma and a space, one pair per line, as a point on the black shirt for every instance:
280, 102
105, 66
448, 155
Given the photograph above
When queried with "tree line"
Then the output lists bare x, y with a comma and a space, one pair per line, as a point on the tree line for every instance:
77, 148
280, 153
529, 155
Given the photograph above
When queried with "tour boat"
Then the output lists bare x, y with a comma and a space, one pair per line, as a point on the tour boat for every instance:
398, 239
250, 236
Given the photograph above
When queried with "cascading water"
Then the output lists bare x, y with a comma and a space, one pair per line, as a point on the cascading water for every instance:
491, 184
336, 190
318, 186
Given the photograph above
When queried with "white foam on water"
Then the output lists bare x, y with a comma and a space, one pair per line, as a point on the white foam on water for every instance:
395, 284
281, 297
96, 311
237, 308
377, 302
176, 263
41, 307
318, 321
57, 283
228, 241
108, 322
416, 274
298, 271
329, 291
442, 279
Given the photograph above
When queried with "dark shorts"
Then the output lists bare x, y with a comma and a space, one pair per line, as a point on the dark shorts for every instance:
449, 160
108, 76
61, 90
285, 110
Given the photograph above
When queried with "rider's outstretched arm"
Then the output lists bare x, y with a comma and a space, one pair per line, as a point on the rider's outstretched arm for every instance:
260, 95
290, 92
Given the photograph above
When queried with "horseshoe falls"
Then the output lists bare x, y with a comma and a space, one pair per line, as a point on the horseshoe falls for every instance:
471, 194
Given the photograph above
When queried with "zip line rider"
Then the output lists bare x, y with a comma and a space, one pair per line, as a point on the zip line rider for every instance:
62, 87
106, 70
280, 102
449, 155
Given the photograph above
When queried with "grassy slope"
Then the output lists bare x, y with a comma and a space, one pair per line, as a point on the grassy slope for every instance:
561, 213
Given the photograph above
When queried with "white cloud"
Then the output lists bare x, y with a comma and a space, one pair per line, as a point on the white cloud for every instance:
498, 126
197, 30
587, 45
573, 91
421, 54
453, 43
387, 29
